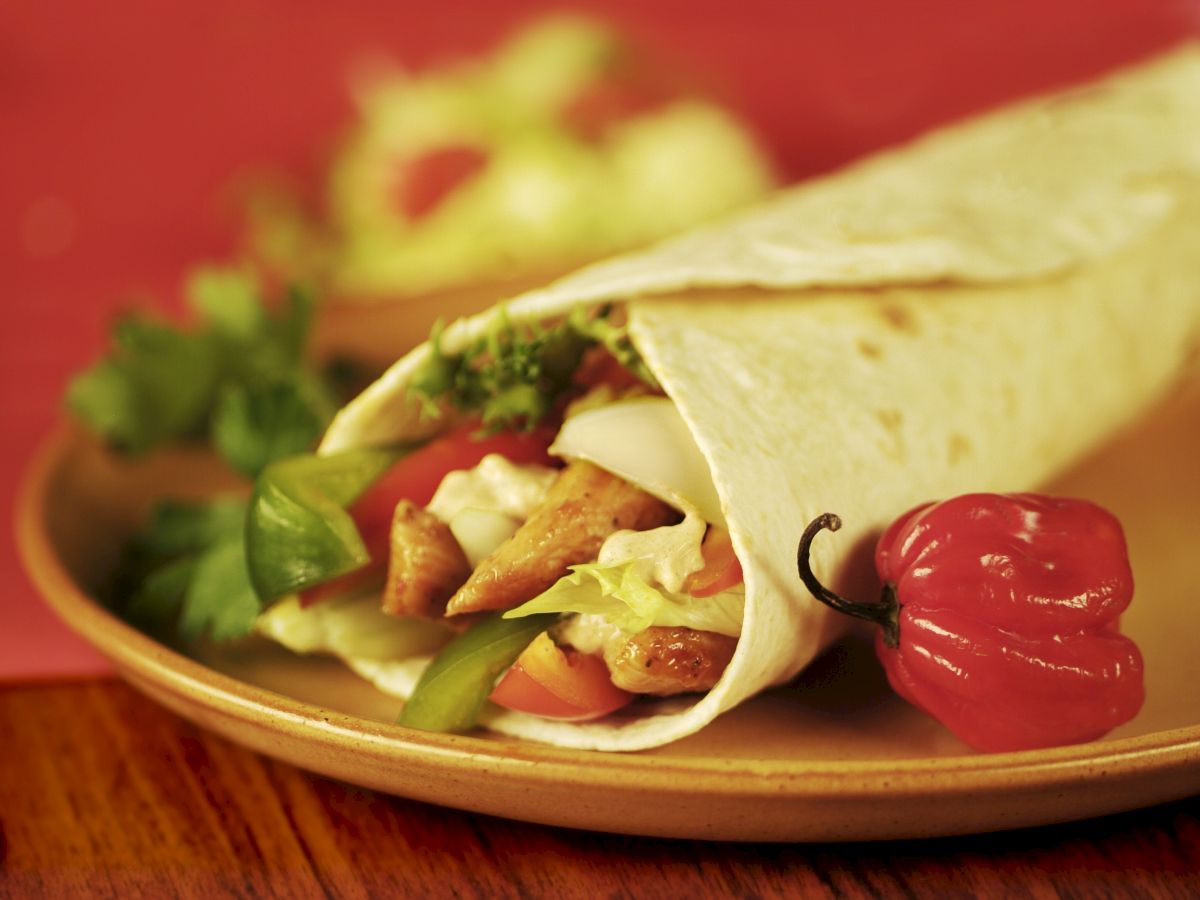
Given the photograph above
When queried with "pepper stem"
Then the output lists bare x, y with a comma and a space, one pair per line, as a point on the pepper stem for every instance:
882, 613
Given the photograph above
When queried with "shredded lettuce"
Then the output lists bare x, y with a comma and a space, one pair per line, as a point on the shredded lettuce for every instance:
664, 556
637, 582
621, 596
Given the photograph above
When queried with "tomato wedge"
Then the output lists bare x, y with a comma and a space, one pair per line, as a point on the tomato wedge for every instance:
416, 477
425, 182
554, 683
721, 567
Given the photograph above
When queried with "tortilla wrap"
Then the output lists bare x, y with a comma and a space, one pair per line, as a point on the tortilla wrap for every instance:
967, 313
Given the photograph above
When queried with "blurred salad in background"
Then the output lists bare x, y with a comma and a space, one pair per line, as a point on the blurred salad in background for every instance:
565, 144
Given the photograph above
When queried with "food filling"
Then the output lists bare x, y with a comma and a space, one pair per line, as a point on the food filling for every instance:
564, 529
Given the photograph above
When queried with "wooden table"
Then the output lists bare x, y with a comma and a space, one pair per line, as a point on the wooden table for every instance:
104, 794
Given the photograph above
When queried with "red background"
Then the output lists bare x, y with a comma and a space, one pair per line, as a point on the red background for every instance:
123, 126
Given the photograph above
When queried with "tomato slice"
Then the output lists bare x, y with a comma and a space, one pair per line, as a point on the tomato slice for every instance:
426, 181
721, 567
416, 477
554, 683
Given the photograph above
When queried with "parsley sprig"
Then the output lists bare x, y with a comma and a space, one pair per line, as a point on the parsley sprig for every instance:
186, 572
239, 379
513, 376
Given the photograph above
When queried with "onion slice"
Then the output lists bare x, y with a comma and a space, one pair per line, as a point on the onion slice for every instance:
644, 441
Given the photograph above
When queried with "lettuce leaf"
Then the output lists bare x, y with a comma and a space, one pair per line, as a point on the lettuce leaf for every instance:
622, 597
637, 582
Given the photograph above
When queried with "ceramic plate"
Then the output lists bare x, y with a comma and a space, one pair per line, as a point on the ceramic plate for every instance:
834, 756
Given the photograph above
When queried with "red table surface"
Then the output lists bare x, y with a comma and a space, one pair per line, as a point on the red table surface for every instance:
124, 125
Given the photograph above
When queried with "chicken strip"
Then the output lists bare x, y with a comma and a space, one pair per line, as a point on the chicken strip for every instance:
584, 506
669, 660
425, 566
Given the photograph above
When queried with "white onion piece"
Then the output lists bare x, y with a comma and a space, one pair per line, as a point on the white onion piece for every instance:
644, 441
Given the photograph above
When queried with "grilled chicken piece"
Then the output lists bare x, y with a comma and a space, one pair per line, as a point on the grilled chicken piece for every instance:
425, 566
584, 506
669, 660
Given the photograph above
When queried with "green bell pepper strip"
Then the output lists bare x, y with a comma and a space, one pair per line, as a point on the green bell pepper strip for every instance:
451, 692
298, 532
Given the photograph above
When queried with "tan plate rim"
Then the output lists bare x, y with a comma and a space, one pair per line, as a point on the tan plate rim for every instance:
137, 655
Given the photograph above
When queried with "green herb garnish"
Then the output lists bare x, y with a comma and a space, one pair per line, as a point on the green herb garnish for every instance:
239, 379
186, 570
211, 568
513, 376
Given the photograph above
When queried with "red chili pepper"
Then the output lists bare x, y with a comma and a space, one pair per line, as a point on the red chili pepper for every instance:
999, 617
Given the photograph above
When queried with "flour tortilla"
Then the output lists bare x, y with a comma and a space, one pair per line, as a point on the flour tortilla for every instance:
969, 312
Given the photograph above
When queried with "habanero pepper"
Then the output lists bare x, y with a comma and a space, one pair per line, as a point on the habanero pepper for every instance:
999, 617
